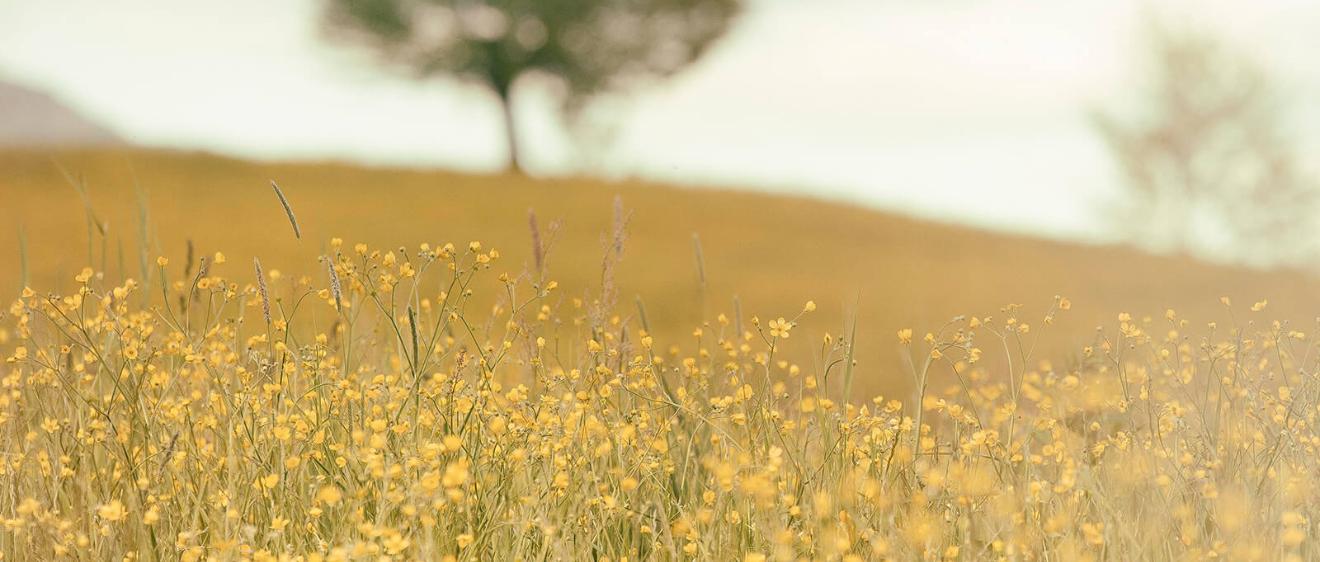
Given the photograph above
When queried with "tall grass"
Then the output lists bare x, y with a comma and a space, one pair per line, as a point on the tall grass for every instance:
770, 251
377, 413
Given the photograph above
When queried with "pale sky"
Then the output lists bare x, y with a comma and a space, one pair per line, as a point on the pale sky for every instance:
970, 111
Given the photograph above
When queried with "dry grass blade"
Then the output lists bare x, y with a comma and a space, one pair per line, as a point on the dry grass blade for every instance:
190, 253
169, 452
538, 256
262, 290
80, 185
614, 245
288, 209
143, 230
94, 223
701, 259
335, 288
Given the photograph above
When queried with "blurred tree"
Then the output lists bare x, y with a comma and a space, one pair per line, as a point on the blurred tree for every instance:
591, 46
1208, 165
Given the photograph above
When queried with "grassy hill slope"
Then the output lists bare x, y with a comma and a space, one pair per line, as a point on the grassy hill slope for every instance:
773, 252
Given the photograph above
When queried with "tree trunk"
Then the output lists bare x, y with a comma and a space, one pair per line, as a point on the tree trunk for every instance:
510, 129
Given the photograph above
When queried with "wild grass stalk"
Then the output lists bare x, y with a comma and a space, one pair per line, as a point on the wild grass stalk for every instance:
288, 209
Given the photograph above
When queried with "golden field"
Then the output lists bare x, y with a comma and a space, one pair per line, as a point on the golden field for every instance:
770, 252
400, 391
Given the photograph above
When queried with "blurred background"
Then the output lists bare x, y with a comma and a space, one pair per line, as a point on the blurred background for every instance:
961, 110
903, 161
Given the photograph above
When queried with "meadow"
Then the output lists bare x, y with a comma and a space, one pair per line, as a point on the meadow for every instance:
758, 253
445, 378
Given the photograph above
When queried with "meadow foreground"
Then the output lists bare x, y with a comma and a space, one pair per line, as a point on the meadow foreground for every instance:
689, 252
374, 412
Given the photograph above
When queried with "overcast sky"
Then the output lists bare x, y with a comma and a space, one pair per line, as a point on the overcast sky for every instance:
964, 110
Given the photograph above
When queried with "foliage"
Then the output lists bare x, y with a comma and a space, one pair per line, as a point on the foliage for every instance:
1209, 167
589, 45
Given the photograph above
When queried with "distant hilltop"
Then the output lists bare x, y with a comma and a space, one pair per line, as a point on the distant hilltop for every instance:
32, 118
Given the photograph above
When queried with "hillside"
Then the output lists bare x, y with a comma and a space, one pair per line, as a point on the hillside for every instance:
32, 118
772, 252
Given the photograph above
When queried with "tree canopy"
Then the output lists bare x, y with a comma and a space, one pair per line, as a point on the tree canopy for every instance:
590, 46
1209, 165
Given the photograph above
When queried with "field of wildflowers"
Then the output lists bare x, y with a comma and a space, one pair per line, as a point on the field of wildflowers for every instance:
880, 271
418, 403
